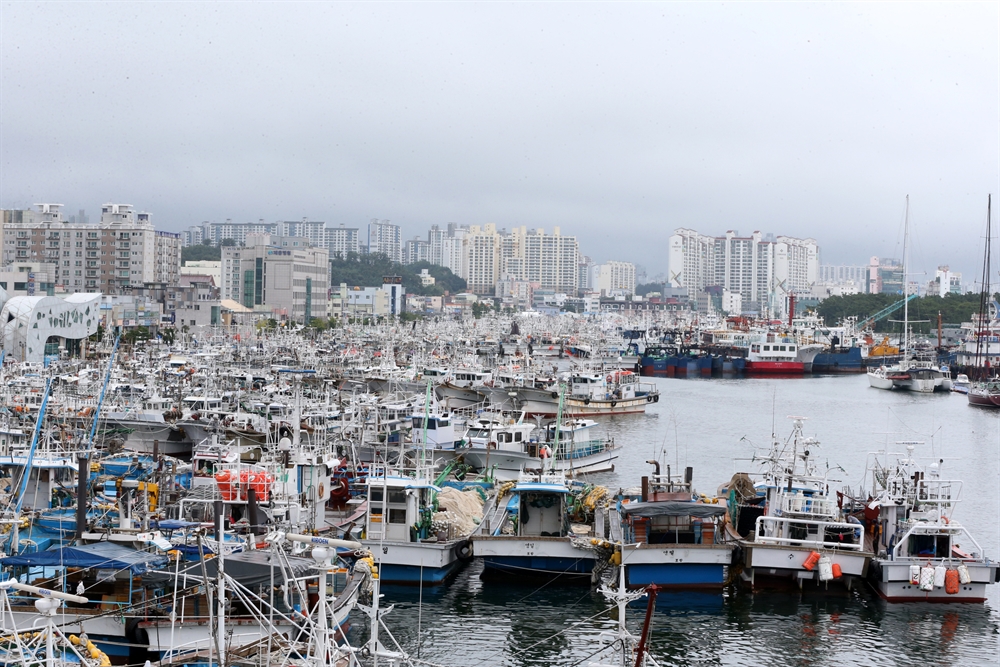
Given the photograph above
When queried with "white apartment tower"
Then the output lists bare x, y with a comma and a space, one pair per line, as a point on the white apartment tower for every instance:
613, 278
385, 238
123, 250
482, 258
762, 271
341, 240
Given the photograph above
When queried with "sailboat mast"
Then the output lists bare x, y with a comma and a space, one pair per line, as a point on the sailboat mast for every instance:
906, 295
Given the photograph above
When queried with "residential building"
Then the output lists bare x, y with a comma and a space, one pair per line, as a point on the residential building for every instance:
217, 232
385, 238
835, 274
416, 250
482, 259
341, 241
613, 278
761, 270
945, 282
123, 250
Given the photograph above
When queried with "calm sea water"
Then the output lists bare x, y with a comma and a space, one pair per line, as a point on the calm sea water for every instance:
713, 425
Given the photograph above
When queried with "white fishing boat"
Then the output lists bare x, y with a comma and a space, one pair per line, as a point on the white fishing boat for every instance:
922, 553
802, 536
409, 537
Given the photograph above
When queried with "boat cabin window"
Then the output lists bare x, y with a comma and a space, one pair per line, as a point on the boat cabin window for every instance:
791, 348
767, 348
930, 546
517, 437
397, 516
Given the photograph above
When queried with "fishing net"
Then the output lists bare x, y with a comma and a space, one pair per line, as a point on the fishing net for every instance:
460, 511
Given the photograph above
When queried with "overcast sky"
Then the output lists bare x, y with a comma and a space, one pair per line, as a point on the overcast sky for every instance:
617, 122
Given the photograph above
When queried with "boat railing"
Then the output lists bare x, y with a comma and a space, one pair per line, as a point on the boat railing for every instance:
938, 491
808, 505
934, 529
773, 525
580, 449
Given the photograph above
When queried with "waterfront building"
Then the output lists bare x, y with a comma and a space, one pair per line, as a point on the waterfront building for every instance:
37, 328
289, 283
386, 300
885, 276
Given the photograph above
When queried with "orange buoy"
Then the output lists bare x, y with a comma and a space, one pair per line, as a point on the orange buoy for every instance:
837, 572
261, 484
810, 561
951, 582
224, 478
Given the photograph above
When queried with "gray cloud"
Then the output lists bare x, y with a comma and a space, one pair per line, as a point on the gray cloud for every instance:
617, 122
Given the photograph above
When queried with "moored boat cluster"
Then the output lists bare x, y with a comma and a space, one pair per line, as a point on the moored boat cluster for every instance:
261, 487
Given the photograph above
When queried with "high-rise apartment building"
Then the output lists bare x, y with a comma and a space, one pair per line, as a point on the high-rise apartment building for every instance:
123, 250
340, 241
482, 258
613, 278
217, 232
385, 238
761, 270
416, 250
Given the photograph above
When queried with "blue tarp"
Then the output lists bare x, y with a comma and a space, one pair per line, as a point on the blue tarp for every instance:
104, 555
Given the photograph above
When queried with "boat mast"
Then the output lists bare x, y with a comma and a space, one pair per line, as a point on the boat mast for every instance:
984, 294
906, 301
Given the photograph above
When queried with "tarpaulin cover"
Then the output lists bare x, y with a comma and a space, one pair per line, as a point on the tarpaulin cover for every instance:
250, 568
673, 508
103, 555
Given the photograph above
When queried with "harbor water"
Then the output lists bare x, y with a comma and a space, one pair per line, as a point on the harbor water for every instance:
714, 426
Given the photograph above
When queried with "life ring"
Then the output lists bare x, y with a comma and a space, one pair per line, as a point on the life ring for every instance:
545, 452
322, 490
491, 445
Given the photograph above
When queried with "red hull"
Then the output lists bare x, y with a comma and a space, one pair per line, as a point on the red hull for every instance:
778, 367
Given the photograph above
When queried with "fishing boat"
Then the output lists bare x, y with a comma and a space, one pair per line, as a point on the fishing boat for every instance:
527, 533
617, 393
673, 537
802, 535
910, 372
773, 353
413, 543
922, 553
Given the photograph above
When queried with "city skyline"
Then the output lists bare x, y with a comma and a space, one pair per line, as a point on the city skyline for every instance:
619, 123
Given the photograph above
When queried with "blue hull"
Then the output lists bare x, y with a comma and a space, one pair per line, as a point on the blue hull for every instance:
410, 574
676, 575
839, 362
